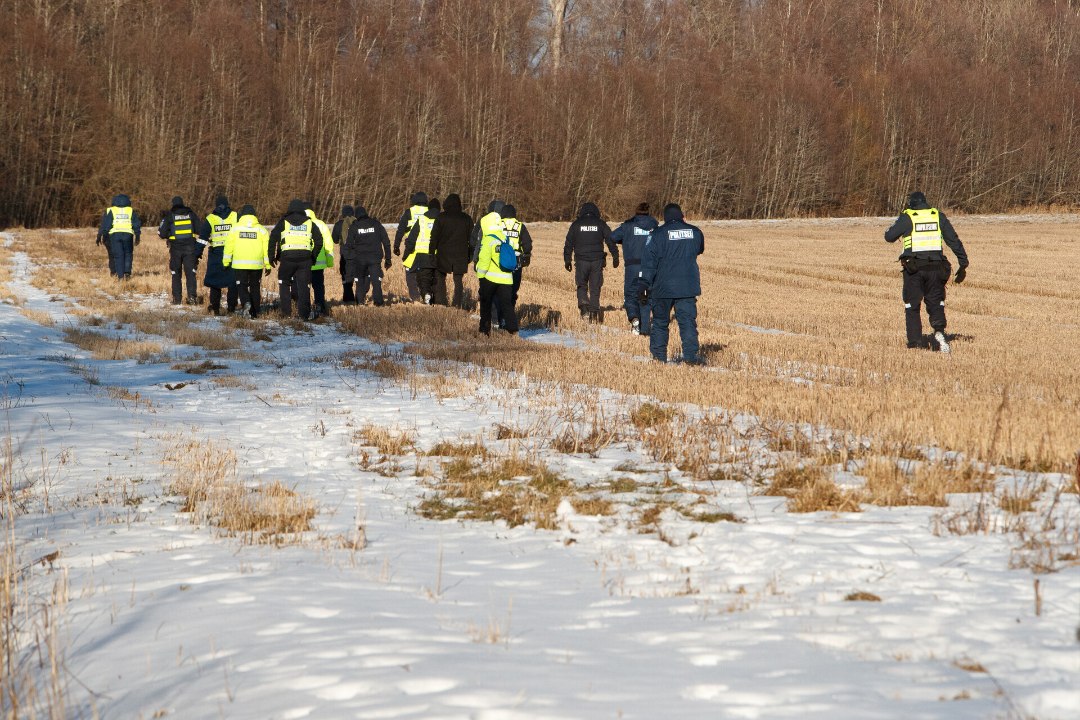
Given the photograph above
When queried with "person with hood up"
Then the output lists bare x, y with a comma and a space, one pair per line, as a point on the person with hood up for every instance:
926, 269
178, 228
496, 284
338, 235
295, 243
245, 252
450, 246
119, 231
418, 253
364, 253
517, 234
418, 205
584, 246
670, 280
215, 229
323, 260
632, 235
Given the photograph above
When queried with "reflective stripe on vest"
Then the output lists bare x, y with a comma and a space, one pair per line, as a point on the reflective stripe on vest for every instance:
513, 233
182, 229
326, 254
423, 239
248, 246
297, 237
121, 220
416, 211
219, 228
925, 231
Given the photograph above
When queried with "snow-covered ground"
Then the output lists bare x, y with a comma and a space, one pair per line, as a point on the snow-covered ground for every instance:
448, 619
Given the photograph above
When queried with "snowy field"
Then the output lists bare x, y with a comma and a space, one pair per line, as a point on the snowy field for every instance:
447, 619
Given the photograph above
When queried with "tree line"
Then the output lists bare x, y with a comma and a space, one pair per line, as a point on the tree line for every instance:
734, 108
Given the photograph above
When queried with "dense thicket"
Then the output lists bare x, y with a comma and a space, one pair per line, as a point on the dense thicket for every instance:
736, 108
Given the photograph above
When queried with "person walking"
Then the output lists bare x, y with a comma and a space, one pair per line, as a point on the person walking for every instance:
924, 230
323, 260
295, 243
450, 246
584, 246
418, 205
178, 228
119, 231
365, 253
632, 235
245, 253
215, 229
496, 284
670, 280
418, 254
338, 235
517, 234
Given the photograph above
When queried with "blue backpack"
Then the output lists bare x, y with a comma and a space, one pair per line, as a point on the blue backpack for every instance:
508, 259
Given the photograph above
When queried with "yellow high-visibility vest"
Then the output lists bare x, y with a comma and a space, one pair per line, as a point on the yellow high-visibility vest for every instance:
925, 231
423, 239
246, 245
122, 221
297, 237
219, 227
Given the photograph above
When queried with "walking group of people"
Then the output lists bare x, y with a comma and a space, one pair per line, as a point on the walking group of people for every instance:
440, 241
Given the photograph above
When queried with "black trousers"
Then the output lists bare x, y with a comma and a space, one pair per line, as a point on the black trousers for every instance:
249, 284
503, 296
182, 259
459, 289
590, 278
365, 273
425, 280
318, 288
232, 293
925, 284
412, 284
347, 295
296, 272
513, 300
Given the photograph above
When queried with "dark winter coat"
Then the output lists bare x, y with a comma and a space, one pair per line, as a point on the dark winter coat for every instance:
295, 215
180, 211
217, 275
120, 201
587, 236
367, 241
341, 227
902, 227
632, 235
422, 261
669, 268
450, 238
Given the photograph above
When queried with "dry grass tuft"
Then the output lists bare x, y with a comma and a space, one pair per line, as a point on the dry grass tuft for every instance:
969, 665
205, 477
107, 347
930, 483
387, 442
199, 368
650, 415
459, 450
861, 596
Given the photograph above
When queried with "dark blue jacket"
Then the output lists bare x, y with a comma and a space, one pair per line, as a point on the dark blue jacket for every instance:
107, 219
669, 268
217, 275
632, 235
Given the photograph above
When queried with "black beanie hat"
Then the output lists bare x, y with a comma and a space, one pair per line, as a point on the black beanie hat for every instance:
177, 201
246, 210
296, 205
346, 210
643, 208
221, 202
916, 198
419, 198
672, 212
508, 211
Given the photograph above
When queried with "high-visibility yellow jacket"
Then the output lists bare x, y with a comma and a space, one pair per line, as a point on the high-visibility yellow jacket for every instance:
925, 231
246, 245
326, 257
487, 266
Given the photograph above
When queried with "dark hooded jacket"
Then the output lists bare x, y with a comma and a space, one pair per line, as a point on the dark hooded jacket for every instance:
632, 235
120, 201
419, 199
295, 215
367, 241
180, 211
587, 236
217, 275
450, 238
669, 266
902, 228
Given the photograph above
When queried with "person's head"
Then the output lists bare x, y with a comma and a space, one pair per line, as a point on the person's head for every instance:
419, 198
296, 207
346, 210
495, 206
177, 201
247, 210
509, 211
434, 206
589, 210
222, 203
672, 212
360, 211
642, 209
453, 203
916, 199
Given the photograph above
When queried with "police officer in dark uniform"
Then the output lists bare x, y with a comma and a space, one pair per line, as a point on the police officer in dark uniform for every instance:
585, 247
632, 235
178, 228
295, 242
365, 253
924, 230
670, 280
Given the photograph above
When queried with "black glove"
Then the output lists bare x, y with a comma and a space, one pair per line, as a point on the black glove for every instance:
614, 261
525, 260
266, 272
137, 238
397, 250
569, 266
961, 274
387, 264
99, 240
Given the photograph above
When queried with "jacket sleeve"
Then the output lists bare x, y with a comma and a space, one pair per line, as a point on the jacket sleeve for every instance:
475, 240
402, 228
230, 246
899, 229
201, 244
105, 225
410, 241
164, 229
204, 230
701, 242
606, 232
436, 231
568, 247
273, 250
525, 239
335, 233
953, 241
317, 239
619, 234
136, 225
651, 260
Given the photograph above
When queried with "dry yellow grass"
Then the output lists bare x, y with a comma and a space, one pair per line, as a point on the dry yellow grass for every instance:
109, 347
827, 295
